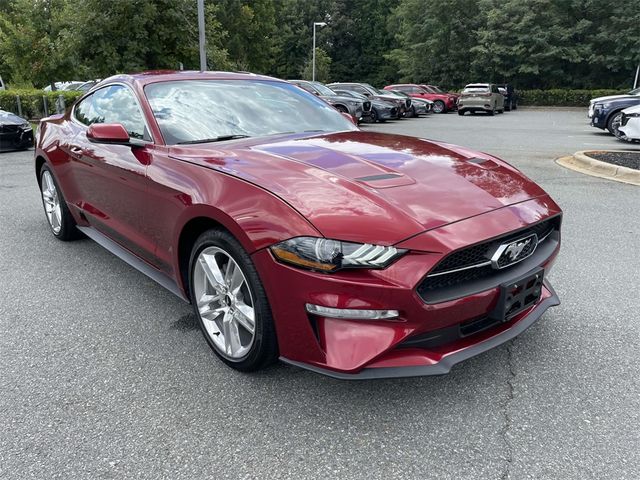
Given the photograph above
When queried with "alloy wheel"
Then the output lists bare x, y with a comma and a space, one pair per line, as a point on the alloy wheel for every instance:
438, 106
51, 201
224, 302
616, 123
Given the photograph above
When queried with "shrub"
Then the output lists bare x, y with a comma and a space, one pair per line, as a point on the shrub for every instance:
32, 101
562, 97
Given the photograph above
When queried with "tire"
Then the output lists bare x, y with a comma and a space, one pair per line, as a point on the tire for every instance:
492, 112
59, 218
613, 123
239, 298
439, 107
507, 106
514, 105
341, 108
461, 112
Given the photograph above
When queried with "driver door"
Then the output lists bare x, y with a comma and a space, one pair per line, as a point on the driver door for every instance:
111, 179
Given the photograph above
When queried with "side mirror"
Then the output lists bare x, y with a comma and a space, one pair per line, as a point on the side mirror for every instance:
349, 117
112, 133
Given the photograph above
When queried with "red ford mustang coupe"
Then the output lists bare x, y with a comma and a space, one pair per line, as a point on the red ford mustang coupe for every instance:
294, 234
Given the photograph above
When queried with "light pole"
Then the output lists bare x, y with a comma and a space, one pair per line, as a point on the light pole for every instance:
313, 61
201, 39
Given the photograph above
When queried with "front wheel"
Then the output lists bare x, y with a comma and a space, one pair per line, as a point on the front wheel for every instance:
439, 106
461, 112
61, 222
230, 303
614, 124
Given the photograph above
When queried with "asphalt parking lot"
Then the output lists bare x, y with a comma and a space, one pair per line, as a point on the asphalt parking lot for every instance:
103, 374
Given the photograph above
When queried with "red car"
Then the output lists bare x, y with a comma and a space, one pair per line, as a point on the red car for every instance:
294, 234
442, 102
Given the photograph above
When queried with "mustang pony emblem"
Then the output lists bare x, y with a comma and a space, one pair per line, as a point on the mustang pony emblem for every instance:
513, 252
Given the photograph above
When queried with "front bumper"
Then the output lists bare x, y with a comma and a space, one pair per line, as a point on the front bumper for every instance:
387, 348
440, 363
15, 139
598, 119
630, 128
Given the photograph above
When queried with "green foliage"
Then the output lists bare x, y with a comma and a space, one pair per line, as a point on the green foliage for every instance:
562, 97
323, 67
32, 101
534, 44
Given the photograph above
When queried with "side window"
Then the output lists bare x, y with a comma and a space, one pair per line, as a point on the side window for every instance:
494, 89
113, 104
85, 113
362, 90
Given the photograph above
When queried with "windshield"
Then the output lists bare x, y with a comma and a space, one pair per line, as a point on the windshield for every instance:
476, 89
436, 89
324, 90
191, 111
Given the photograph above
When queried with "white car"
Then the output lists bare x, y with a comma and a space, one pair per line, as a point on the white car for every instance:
629, 128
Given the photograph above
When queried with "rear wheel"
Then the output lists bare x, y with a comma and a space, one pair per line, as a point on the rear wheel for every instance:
492, 111
61, 222
614, 123
439, 106
230, 302
461, 112
341, 109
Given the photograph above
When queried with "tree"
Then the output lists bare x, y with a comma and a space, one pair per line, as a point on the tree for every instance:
251, 33
34, 42
133, 35
435, 39
323, 67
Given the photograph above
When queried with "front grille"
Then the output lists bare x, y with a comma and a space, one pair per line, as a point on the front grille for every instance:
460, 267
11, 128
366, 106
408, 103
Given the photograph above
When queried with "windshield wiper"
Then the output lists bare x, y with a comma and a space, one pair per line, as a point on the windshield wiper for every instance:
215, 139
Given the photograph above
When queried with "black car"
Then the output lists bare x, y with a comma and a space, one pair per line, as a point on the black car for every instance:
606, 112
510, 96
15, 132
381, 111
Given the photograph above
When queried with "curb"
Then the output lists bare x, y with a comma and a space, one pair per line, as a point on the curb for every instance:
580, 162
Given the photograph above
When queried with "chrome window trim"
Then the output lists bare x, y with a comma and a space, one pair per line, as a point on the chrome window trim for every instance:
135, 97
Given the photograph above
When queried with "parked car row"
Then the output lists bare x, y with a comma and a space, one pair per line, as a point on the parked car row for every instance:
618, 114
75, 85
411, 99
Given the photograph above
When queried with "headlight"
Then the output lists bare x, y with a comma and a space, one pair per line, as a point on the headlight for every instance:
352, 103
26, 127
632, 115
327, 255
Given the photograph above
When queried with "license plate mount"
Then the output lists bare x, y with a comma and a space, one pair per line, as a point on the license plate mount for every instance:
518, 295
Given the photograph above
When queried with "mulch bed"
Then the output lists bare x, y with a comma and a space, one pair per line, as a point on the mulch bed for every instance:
622, 159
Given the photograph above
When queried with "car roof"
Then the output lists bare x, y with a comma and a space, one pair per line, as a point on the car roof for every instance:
154, 76
477, 85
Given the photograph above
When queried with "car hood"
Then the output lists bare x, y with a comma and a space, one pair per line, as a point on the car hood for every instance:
340, 98
369, 187
8, 118
613, 97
